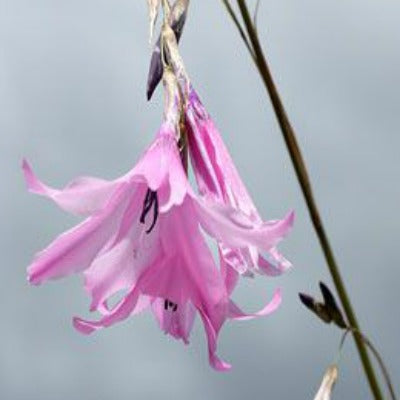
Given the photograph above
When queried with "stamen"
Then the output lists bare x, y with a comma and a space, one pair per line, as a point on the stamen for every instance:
169, 304
146, 206
155, 213
150, 200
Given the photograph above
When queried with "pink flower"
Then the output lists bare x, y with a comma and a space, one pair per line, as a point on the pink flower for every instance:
219, 180
142, 237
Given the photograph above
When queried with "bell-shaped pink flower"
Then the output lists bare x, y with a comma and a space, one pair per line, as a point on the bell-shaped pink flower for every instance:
218, 179
142, 236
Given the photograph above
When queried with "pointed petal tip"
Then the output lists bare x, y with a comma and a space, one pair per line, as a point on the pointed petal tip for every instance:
33, 184
287, 223
219, 365
291, 217
82, 326
235, 313
28, 174
32, 280
33, 276
93, 306
24, 163
97, 303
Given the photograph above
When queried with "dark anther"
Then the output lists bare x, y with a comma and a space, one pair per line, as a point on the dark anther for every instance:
146, 205
155, 213
150, 201
169, 304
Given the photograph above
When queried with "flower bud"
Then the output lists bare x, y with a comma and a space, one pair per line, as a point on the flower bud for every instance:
328, 383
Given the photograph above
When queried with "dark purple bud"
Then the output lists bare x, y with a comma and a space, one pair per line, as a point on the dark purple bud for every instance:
332, 307
328, 311
307, 300
178, 19
316, 307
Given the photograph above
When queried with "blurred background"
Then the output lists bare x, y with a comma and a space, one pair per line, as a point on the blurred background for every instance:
72, 100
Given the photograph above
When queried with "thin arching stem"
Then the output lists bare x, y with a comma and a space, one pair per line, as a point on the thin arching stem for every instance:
239, 27
255, 18
379, 359
166, 8
290, 139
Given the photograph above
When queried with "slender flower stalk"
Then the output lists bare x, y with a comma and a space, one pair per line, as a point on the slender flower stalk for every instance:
177, 18
289, 136
154, 6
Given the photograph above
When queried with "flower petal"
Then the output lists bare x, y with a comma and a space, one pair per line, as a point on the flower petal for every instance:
233, 228
213, 166
153, 166
161, 169
176, 323
228, 271
129, 305
82, 196
178, 185
74, 250
110, 272
188, 270
237, 314
189, 274
236, 258
212, 336
275, 265
218, 178
121, 266
122, 311
143, 302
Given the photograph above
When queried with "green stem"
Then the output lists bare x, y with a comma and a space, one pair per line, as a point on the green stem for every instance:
305, 184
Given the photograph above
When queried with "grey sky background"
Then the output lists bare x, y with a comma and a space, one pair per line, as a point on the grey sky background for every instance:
72, 100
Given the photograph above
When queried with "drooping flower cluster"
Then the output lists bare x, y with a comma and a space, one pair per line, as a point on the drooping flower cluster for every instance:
144, 233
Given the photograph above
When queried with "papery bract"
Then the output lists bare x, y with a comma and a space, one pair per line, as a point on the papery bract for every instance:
177, 22
154, 6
